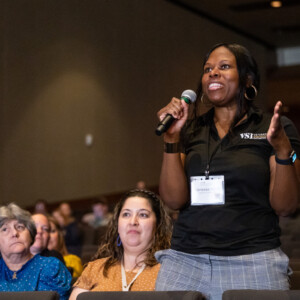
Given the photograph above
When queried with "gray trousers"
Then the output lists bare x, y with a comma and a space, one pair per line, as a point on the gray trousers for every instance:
212, 275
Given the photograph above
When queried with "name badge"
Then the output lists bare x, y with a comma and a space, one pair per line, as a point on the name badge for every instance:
207, 191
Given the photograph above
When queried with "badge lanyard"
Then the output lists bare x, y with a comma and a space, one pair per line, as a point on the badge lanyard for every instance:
208, 190
125, 287
209, 158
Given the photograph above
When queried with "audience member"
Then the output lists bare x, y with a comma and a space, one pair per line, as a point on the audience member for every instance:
125, 260
100, 215
72, 232
57, 215
231, 172
42, 238
20, 270
141, 185
41, 207
57, 242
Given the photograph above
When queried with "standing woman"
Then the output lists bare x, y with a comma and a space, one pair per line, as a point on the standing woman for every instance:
236, 173
125, 260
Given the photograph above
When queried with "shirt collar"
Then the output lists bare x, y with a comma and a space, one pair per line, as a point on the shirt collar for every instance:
254, 113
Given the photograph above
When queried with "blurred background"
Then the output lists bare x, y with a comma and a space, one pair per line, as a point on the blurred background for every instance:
81, 82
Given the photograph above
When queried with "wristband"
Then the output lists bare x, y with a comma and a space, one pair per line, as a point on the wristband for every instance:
172, 147
289, 161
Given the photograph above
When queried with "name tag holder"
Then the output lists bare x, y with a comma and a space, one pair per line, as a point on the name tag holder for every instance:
207, 190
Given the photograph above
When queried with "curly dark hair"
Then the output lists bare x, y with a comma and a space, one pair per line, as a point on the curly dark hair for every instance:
161, 236
247, 69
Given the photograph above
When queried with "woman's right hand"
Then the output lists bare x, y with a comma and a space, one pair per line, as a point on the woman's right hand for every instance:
179, 110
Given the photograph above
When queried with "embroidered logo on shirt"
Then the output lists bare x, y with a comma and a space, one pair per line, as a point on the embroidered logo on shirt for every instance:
253, 136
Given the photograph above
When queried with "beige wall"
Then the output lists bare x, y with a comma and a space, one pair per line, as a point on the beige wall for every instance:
72, 67
283, 84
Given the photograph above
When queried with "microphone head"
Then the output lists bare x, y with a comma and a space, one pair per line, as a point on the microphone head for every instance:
189, 96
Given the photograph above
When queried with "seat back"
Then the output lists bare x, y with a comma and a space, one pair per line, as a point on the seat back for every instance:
261, 295
151, 295
32, 295
295, 280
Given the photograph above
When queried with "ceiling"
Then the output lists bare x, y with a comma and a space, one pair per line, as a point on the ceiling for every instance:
255, 19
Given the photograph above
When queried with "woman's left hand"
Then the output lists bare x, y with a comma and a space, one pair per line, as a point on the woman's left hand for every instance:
276, 135
284, 179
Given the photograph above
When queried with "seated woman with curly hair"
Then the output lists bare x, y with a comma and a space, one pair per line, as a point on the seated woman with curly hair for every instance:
125, 260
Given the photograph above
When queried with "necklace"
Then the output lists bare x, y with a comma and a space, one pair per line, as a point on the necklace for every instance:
125, 287
14, 276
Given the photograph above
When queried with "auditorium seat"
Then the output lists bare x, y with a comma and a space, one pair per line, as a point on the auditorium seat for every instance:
290, 234
34, 295
88, 251
261, 295
295, 264
295, 281
168, 295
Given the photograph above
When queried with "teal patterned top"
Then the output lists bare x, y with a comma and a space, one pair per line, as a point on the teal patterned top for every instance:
38, 274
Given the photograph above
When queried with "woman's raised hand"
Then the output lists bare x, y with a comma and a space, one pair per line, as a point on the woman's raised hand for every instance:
276, 135
179, 110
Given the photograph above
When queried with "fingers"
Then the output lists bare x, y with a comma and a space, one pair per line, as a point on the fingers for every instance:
174, 108
276, 134
276, 114
278, 108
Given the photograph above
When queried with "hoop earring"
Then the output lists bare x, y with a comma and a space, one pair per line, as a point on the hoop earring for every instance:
250, 93
119, 242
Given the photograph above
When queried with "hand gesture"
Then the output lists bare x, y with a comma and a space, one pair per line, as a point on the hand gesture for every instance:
276, 135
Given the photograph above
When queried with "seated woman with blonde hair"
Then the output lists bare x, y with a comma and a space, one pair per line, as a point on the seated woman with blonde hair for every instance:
125, 260
57, 242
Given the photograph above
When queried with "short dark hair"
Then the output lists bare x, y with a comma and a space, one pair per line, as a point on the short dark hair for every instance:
100, 200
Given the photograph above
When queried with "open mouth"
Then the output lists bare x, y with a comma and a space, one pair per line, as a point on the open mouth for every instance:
214, 86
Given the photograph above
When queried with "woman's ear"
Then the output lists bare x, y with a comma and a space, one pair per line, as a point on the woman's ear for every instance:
249, 81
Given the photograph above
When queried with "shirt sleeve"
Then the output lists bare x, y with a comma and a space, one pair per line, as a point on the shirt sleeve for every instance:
90, 276
75, 263
56, 277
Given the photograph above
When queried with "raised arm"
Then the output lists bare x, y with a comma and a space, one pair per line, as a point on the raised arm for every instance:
173, 186
285, 179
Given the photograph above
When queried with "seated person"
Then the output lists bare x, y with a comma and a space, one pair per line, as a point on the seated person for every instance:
57, 242
141, 185
42, 238
70, 227
41, 207
100, 215
20, 270
125, 260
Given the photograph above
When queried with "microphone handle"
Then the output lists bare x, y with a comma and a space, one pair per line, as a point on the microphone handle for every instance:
164, 125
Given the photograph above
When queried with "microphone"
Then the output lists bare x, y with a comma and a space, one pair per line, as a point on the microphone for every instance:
188, 96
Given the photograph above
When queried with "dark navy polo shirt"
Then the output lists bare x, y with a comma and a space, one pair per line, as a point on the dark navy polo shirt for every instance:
246, 223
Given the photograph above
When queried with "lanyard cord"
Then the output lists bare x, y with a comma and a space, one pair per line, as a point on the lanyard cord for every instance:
125, 287
209, 157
